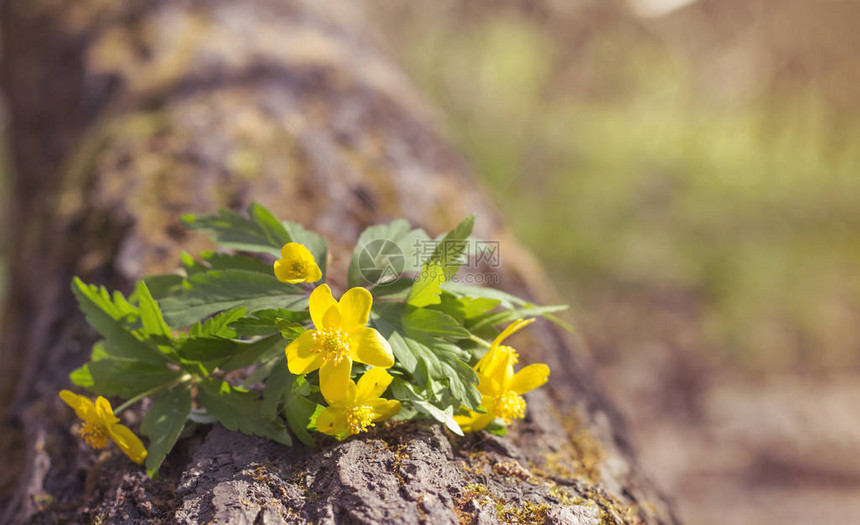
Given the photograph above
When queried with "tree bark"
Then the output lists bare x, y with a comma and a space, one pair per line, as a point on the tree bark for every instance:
124, 116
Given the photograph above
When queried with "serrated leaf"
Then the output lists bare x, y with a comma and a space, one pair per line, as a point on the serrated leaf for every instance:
265, 322
259, 232
229, 261
506, 316
283, 390
126, 378
220, 325
217, 290
505, 299
463, 308
155, 329
404, 391
373, 243
231, 354
163, 423
248, 353
240, 410
104, 315
444, 363
424, 323
427, 287
163, 285
441, 266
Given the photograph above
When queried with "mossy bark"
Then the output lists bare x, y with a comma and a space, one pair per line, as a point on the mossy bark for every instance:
125, 115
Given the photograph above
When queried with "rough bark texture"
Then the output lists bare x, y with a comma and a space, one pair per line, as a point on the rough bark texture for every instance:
126, 115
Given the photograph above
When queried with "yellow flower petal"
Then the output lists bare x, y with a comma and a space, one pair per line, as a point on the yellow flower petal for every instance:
332, 421
130, 444
319, 303
510, 330
302, 356
335, 382
314, 273
105, 412
369, 347
529, 378
332, 318
474, 421
489, 386
296, 265
82, 405
354, 308
372, 384
384, 408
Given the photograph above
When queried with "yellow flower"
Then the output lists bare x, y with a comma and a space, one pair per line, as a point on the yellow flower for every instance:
100, 424
501, 389
497, 352
297, 265
340, 338
357, 407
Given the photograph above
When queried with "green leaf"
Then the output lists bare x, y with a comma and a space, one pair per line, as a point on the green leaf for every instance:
265, 322
161, 286
385, 246
239, 409
150, 313
246, 354
284, 389
104, 315
220, 325
444, 363
427, 287
505, 299
226, 261
125, 378
163, 423
442, 265
231, 354
463, 308
424, 323
506, 316
219, 290
406, 392
260, 232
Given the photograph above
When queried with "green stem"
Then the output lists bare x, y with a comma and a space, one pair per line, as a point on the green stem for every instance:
477, 339
149, 393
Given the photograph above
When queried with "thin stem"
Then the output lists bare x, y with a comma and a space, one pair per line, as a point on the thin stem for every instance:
477, 339
149, 393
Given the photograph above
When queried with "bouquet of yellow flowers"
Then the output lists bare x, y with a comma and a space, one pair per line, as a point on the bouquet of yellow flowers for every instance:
404, 341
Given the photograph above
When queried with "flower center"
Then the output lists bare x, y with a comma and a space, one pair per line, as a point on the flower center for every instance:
94, 435
359, 418
298, 269
332, 344
508, 406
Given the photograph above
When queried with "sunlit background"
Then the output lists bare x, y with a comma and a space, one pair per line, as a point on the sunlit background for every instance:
688, 173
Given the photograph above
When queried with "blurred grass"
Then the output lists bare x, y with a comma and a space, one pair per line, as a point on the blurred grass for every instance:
749, 207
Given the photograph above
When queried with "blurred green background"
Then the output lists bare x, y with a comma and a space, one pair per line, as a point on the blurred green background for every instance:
689, 174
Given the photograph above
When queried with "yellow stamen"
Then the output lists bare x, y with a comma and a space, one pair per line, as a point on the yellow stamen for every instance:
94, 435
515, 357
298, 269
332, 344
509, 406
359, 418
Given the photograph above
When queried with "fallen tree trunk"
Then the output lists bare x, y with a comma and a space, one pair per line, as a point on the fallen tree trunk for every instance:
125, 115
